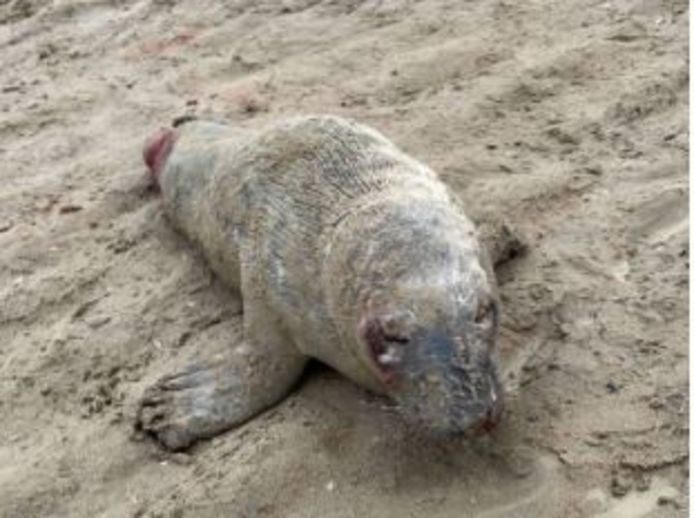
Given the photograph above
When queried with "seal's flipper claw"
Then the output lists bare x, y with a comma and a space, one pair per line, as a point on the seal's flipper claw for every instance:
211, 397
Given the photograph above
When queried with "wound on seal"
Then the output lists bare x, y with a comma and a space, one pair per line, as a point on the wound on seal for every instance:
385, 347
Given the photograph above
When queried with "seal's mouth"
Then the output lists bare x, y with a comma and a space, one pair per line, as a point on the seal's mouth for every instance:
156, 150
438, 384
442, 412
492, 418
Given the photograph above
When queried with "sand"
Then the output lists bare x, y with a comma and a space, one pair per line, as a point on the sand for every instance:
568, 118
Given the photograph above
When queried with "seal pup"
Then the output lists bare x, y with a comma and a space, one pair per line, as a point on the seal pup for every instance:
344, 249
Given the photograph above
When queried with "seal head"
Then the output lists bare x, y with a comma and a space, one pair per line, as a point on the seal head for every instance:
444, 376
428, 329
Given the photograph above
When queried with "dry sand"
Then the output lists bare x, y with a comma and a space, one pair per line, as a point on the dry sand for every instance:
569, 117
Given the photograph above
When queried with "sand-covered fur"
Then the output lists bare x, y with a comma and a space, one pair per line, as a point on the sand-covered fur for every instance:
343, 249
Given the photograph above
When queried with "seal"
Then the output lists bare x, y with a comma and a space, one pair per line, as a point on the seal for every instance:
344, 249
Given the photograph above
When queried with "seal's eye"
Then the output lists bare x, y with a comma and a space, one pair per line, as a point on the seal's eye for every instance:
394, 328
484, 312
395, 339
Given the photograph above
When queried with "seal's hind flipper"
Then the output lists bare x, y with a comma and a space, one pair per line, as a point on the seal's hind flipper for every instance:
502, 240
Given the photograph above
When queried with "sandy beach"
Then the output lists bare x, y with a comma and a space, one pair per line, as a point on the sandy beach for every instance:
568, 118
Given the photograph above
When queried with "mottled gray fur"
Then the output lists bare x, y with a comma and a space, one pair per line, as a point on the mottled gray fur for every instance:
343, 249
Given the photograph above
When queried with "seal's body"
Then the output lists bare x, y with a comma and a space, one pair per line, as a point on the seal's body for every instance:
343, 249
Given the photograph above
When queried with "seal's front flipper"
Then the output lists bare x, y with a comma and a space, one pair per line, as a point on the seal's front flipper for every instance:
216, 394
502, 241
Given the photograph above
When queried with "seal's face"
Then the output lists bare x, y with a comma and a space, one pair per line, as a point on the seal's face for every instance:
431, 344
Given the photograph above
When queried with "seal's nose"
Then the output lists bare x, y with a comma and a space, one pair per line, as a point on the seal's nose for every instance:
491, 421
493, 416
156, 148
490, 418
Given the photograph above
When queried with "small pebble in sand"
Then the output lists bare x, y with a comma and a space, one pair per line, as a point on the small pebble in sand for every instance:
98, 321
620, 484
69, 209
